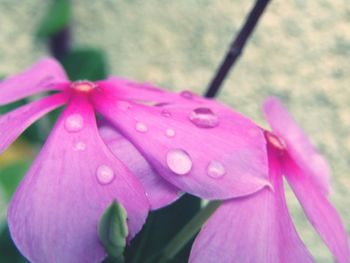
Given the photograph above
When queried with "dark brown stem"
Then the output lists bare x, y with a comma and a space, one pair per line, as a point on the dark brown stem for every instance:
59, 43
236, 47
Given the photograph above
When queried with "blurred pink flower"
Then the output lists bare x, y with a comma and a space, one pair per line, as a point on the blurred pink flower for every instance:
198, 145
258, 227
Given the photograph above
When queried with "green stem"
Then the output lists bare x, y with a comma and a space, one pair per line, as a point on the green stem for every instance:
143, 241
188, 232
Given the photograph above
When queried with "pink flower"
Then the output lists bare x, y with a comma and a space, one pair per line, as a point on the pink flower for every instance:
198, 145
258, 228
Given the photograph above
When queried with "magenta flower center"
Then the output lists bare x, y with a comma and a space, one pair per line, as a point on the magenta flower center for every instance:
83, 85
274, 140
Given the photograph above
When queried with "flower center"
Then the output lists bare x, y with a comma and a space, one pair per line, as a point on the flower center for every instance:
83, 85
275, 141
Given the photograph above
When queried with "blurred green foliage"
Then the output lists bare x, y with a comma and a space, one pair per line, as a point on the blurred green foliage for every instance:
56, 18
9, 252
10, 176
87, 64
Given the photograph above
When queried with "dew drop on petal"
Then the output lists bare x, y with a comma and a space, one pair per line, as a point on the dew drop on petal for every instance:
124, 105
165, 113
216, 169
179, 161
79, 146
187, 94
141, 127
105, 174
204, 118
170, 132
74, 122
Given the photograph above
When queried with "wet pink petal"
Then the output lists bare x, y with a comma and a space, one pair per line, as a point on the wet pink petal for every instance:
319, 212
299, 146
126, 89
15, 122
210, 152
54, 213
47, 74
255, 228
159, 192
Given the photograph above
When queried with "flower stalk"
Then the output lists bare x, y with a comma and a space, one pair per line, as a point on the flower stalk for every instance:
236, 47
188, 232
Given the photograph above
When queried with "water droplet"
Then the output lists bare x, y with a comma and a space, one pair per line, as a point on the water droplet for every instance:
74, 122
216, 169
141, 127
79, 146
170, 133
124, 105
187, 94
179, 161
204, 118
165, 113
105, 174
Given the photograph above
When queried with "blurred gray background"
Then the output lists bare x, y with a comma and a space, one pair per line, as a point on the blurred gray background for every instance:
300, 52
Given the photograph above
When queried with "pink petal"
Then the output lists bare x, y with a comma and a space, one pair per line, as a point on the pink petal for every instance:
299, 146
128, 89
15, 122
147, 93
47, 74
319, 212
225, 161
54, 213
255, 228
159, 192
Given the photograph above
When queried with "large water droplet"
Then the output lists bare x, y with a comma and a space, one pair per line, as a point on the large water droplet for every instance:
79, 146
187, 94
204, 118
141, 127
74, 122
216, 169
179, 161
170, 132
165, 113
105, 174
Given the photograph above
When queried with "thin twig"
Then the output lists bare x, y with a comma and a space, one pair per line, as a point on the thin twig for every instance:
236, 47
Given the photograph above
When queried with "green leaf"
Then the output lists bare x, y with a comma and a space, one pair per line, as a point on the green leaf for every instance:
87, 64
56, 18
113, 230
161, 226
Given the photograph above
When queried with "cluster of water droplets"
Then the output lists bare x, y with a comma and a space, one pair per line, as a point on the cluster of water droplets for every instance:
179, 161
75, 123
